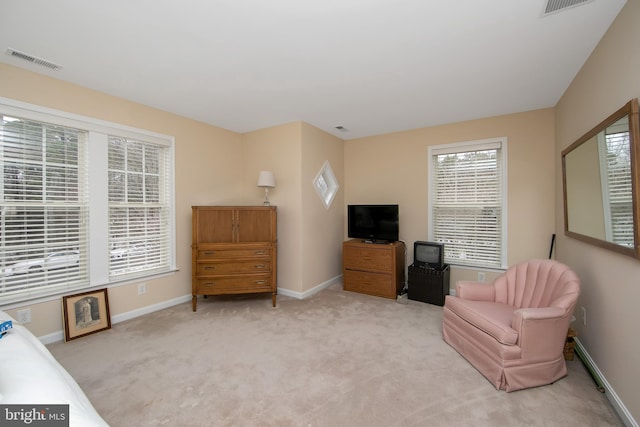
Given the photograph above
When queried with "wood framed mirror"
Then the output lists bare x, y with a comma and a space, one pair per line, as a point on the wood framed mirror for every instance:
601, 183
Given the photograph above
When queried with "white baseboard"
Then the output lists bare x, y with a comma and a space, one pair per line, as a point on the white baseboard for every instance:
314, 290
609, 392
149, 309
51, 338
59, 335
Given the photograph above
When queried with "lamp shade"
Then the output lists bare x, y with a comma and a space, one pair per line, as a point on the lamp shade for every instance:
266, 179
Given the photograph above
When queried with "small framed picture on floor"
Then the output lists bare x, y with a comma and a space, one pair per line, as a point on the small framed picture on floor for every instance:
85, 313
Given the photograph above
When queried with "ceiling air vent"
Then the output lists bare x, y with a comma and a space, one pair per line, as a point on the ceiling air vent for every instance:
553, 6
33, 59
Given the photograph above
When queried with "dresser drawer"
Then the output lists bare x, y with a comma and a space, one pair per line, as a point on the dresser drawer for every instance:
359, 258
234, 284
377, 284
264, 252
208, 268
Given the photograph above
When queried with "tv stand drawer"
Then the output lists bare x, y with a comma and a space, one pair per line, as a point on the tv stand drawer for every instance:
375, 258
374, 269
377, 284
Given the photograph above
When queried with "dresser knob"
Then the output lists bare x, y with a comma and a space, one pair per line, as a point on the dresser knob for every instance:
259, 266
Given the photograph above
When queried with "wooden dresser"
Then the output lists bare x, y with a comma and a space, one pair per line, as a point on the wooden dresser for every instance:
374, 269
233, 251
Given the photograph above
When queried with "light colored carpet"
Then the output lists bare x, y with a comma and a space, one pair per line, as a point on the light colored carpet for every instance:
335, 359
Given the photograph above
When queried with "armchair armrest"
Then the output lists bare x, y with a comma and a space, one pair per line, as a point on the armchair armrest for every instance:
541, 331
475, 291
537, 313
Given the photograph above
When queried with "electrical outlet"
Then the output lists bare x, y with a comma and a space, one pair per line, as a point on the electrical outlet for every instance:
480, 276
24, 316
584, 316
142, 288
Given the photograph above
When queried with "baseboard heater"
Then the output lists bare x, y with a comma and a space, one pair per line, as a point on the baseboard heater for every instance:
594, 376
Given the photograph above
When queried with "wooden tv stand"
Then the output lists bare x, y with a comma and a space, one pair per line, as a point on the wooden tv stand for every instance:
373, 269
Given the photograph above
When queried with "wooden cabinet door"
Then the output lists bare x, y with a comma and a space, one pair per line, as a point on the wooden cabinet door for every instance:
214, 225
255, 225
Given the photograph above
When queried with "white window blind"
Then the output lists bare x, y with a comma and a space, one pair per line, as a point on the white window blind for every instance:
618, 204
467, 186
83, 203
139, 207
43, 207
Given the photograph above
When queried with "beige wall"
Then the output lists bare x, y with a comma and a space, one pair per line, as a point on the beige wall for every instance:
321, 227
309, 236
610, 289
278, 149
393, 168
207, 165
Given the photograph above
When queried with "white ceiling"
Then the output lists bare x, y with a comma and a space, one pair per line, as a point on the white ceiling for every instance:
372, 66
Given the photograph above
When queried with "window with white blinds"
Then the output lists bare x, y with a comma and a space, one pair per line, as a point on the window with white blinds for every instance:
467, 199
139, 207
43, 207
616, 182
83, 203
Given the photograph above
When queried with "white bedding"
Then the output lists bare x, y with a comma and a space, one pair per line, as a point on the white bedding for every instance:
29, 374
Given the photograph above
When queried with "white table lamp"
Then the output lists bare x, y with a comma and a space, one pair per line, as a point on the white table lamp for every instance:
266, 180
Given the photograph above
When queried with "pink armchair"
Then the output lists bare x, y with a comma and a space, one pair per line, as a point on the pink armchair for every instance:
514, 329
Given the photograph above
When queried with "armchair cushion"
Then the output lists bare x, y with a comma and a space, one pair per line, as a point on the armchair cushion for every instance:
514, 329
492, 318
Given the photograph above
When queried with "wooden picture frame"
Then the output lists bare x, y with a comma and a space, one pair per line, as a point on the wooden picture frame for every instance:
85, 313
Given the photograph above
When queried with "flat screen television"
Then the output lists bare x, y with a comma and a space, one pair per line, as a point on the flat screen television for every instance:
373, 223
429, 253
